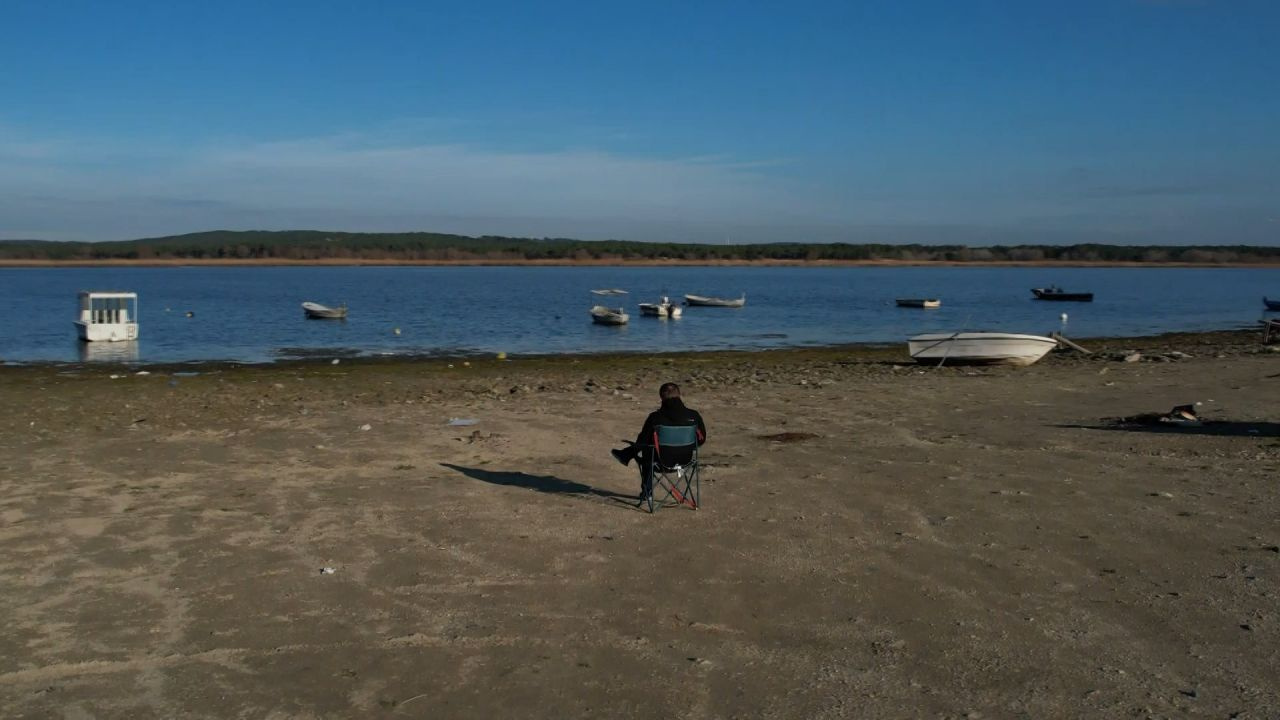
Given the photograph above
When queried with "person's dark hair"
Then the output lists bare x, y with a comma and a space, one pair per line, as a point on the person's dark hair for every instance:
668, 391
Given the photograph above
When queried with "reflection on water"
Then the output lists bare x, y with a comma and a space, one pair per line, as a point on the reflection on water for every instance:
302, 352
111, 352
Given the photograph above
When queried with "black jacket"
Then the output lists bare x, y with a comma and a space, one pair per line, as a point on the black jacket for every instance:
672, 412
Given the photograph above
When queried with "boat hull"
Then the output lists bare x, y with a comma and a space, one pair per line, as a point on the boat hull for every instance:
316, 311
1043, 294
662, 310
107, 332
918, 302
979, 348
1271, 304
608, 316
705, 301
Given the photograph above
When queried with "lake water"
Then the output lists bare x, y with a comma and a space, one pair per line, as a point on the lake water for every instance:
253, 313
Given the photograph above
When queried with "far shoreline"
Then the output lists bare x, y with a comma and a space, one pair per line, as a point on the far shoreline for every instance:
610, 262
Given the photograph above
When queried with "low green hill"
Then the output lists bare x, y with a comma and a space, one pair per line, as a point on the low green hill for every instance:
304, 245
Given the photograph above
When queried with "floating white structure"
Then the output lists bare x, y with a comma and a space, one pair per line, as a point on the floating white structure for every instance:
108, 316
980, 348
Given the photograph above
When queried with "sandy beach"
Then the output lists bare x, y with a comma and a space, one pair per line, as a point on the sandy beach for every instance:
928, 542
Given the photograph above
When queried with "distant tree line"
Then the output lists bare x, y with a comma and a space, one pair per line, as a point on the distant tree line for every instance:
304, 245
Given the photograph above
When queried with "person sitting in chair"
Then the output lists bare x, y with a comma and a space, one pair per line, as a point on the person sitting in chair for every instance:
672, 412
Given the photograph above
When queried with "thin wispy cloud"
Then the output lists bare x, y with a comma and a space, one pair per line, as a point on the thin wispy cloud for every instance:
364, 175
99, 188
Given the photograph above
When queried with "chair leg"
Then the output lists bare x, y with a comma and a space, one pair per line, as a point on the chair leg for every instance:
683, 486
653, 485
661, 483
697, 488
679, 486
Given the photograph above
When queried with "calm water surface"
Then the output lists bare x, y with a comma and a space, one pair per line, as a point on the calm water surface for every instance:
254, 314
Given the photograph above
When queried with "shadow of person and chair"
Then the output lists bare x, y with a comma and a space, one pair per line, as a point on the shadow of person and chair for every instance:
543, 484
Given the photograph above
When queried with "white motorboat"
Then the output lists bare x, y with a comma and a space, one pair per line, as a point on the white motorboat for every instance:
609, 291
664, 309
316, 311
108, 316
919, 302
609, 316
988, 348
715, 301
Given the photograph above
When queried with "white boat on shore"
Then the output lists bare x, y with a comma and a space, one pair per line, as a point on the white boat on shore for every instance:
316, 311
664, 309
986, 348
107, 316
609, 316
715, 301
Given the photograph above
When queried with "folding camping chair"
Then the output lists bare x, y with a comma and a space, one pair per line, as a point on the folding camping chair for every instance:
673, 466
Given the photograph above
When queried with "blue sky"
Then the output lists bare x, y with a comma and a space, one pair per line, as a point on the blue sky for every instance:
976, 122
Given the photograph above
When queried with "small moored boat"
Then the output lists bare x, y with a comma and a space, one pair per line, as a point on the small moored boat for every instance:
609, 291
1053, 292
316, 311
609, 316
715, 301
919, 302
1271, 304
985, 348
664, 309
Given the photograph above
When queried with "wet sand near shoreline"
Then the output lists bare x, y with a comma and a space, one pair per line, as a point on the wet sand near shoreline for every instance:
933, 542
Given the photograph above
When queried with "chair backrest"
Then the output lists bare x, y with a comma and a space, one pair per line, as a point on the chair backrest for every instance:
675, 444
675, 435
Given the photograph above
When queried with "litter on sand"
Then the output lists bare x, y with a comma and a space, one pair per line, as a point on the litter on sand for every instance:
462, 422
327, 571
1179, 416
1182, 415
